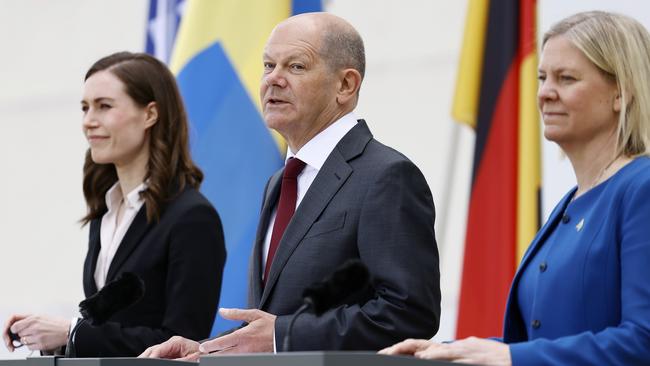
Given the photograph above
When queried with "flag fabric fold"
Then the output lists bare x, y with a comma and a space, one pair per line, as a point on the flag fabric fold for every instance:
217, 61
495, 94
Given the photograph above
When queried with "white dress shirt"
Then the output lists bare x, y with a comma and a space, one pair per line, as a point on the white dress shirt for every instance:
313, 154
111, 234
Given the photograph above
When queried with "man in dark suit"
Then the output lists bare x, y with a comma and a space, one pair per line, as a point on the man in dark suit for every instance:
353, 198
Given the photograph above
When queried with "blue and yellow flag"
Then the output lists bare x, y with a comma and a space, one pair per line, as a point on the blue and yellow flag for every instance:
217, 61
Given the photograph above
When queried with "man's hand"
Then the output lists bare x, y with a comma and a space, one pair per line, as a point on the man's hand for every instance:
257, 336
175, 348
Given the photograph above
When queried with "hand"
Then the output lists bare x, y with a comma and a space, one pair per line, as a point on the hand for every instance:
37, 332
5, 331
175, 348
469, 350
407, 347
257, 336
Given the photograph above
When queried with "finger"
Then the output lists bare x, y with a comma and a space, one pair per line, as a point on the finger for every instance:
229, 350
5, 332
158, 351
146, 353
219, 344
469, 360
438, 352
5, 337
24, 325
191, 357
9, 344
15, 323
247, 315
407, 347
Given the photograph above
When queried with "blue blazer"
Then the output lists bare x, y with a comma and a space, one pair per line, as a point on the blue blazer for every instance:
591, 307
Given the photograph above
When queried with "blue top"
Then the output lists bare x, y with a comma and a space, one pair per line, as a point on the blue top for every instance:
582, 293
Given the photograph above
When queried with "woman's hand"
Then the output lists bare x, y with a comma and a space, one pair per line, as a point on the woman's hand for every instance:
469, 350
408, 347
37, 332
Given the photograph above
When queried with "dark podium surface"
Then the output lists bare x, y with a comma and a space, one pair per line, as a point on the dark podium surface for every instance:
318, 359
263, 359
60, 361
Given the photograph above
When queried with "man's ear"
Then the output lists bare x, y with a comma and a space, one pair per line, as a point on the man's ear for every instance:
151, 114
349, 84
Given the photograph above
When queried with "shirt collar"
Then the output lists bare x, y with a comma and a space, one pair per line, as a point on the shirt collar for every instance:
133, 199
315, 151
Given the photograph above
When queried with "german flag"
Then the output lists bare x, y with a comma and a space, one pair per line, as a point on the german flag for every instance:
496, 94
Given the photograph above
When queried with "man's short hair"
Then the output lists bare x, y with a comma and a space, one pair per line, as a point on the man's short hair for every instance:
343, 48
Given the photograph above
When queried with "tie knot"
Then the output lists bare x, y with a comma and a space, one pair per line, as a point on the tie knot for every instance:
293, 168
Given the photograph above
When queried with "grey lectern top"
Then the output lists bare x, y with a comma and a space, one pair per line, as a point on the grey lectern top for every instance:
317, 359
260, 359
118, 361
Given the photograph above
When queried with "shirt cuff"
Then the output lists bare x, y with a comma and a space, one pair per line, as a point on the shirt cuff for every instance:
73, 322
275, 349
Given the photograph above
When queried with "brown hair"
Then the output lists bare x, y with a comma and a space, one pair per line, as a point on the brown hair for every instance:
170, 167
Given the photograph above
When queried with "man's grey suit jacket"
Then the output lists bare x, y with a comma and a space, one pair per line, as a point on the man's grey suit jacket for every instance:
369, 202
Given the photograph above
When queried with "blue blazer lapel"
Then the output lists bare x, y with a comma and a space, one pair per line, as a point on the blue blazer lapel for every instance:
333, 174
540, 238
131, 239
544, 232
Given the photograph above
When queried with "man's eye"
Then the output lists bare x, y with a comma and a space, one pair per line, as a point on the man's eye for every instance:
297, 67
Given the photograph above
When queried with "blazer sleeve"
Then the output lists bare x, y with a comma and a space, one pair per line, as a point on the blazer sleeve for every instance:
396, 240
196, 255
628, 343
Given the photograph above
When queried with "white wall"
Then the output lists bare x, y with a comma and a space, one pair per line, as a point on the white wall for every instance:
412, 48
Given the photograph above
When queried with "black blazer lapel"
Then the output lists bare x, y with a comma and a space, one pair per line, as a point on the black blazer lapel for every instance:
94, 246
131, 239
332, 175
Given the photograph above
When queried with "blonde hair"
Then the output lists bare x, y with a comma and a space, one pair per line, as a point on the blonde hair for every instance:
620, 47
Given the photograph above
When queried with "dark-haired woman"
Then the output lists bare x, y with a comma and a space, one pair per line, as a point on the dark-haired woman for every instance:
146, 216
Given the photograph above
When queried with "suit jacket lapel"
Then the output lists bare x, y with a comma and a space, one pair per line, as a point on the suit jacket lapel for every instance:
332, 175
94, 245
544, 232
131, 239
271, 195
540, 238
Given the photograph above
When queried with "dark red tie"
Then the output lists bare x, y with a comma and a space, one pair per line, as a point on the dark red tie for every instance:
286, 207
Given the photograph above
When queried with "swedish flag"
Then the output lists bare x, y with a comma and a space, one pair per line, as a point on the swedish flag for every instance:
218, 64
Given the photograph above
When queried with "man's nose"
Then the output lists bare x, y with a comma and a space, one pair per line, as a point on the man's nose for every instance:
275, 78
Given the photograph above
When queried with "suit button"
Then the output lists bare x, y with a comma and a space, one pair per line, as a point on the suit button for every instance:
542, 266
536, 324
566, 218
